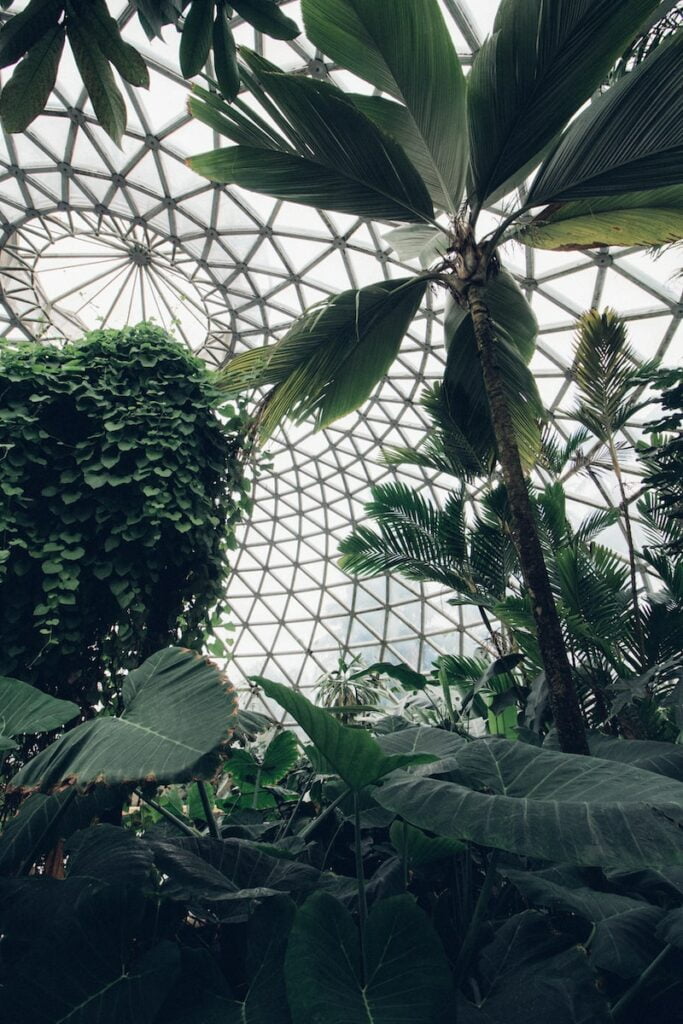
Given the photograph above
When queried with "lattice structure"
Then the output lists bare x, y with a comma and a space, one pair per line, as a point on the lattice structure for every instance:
91, 235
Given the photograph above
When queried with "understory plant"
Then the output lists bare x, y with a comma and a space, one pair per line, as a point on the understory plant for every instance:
120, 492
431, 153
410, 876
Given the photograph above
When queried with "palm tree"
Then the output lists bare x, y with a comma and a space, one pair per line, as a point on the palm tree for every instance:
608, 173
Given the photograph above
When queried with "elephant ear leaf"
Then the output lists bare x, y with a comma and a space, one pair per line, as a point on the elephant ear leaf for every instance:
406, 966
352, 753
178, 710
541, 63
511, 796
24, 709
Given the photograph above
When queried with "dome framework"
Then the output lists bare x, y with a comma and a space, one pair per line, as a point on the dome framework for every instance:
95, 236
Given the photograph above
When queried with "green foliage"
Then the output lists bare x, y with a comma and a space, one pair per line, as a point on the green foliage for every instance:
121, 489
35, 37
23, 709
177, 710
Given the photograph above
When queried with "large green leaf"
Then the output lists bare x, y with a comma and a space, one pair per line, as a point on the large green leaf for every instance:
331, 359
411, 56
26, 28
529, 973
628, 140
28, 90
548, 805
75, 957
105, 95
25, 709
125, 58
662, 758
267, 17
542, 62
623, 938
326, 153
652, 217
42, 820
178, 710
423, 739
111, 854
407, 978
352, 753
195, 42
515, 327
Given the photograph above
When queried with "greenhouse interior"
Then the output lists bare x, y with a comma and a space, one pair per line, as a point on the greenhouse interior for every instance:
341, 465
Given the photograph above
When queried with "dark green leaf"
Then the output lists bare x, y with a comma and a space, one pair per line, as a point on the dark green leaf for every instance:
628, 140
515, 327
105, 96
109, 854
542, 62
125, 58
178, 709
195, 42
88, 943
353, 753
548, 805
25, 709
527, 974
407, 677
331, 359
407, 975
267, 17
29, 88
662, 758
423, 739
420, 849
225, 56
329, 155
23, 30
411, 56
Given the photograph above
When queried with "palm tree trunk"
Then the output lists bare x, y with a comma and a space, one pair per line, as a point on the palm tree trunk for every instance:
563, 699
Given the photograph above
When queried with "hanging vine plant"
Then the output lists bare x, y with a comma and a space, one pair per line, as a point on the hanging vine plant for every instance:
121, 489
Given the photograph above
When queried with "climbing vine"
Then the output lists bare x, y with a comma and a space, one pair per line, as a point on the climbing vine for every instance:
121, 488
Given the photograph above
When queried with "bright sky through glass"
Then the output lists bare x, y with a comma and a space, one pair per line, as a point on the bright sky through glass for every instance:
93, 235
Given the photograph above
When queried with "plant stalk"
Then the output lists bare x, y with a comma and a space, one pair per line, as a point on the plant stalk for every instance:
360, 877
467, 948
637, 616
208, 810
178, 822
306, 832
35, 850
564, 702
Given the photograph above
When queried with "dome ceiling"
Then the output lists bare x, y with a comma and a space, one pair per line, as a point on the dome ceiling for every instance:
91, 235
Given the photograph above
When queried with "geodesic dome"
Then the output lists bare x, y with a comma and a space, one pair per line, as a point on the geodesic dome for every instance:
93, 235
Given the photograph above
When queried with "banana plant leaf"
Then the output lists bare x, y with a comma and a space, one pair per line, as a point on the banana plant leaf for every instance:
410, 56
629, 139
541, 63
543, 804
178, 710
352, 753
407, 979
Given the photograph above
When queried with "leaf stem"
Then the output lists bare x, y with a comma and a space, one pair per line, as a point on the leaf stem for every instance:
360, 878
35, 850
208, 810
178, 822
467, 948
306, 832
633, 991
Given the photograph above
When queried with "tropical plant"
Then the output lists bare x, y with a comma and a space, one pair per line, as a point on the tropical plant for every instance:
122, 489
663, 462
35, 39
437, 141
514, 882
